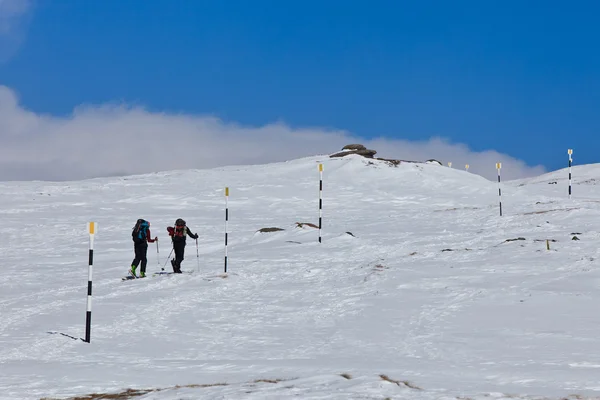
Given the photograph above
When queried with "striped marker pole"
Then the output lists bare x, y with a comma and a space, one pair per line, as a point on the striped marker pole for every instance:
320, 199
498, 166
226, 220
570, 152
88, 316
467, 167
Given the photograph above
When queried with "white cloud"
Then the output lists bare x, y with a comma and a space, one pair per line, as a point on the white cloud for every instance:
119, 140
14, 20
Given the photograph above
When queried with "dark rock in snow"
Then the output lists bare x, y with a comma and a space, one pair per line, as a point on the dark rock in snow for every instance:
301, 225
512, 240
265, 230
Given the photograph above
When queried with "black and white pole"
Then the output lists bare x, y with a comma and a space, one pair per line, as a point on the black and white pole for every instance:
226, 221
570, 152
88, 315
498, 166
320, 200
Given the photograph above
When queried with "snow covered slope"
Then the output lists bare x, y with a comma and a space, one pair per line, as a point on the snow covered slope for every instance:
419, 290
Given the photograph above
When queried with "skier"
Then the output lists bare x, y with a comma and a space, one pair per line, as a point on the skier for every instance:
178, 236
141, 237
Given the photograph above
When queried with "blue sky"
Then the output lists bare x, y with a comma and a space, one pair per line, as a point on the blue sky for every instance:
518, 77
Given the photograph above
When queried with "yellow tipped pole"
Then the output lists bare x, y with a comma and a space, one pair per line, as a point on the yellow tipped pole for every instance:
88, 315
498, 167
320, 199
226, 221
570, 152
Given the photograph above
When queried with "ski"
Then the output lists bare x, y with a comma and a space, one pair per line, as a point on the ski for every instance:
165, 273
131, 276
155, 274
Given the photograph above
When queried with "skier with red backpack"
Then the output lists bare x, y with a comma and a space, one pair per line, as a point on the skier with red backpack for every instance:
178, 235
141, 237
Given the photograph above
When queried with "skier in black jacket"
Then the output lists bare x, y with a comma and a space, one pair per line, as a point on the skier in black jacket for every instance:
178, 235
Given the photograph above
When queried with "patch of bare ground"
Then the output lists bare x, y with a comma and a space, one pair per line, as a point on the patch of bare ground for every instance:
552, 210
377, 268
514, 396
514, 239
301, 225
133, 393
267, 230
399, 383
465, 249
457, 209
269, 380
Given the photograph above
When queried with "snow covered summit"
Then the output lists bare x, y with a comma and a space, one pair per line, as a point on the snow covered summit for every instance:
419, 289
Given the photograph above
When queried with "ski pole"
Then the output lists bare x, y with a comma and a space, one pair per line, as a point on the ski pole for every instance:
197, 255
157, 255
169, 256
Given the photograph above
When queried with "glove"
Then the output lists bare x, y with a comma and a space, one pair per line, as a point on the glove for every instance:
156, 238
196, 236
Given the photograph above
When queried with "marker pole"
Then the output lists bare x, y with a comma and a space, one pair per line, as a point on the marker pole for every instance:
88, 316
498, 166
320, 199
570, 152
226, 221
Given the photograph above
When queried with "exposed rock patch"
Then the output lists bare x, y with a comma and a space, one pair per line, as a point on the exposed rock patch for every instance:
272, 229
361, 150
301, 225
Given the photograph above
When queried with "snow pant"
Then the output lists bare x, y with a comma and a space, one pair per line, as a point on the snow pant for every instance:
141, 249
179, 248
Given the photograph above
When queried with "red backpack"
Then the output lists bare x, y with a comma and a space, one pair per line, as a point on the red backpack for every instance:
179, 230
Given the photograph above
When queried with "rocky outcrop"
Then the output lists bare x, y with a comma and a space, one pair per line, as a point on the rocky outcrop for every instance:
361, 150
432, 161
355, 149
